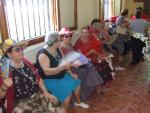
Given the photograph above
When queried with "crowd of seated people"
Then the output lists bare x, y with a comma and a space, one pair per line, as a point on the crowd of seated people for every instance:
50, 87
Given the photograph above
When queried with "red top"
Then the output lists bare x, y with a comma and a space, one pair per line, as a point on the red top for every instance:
89, 45
9, 94
66, 50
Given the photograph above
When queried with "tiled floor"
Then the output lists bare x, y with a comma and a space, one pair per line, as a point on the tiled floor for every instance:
129, 94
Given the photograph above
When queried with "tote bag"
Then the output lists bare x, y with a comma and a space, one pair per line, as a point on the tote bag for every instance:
121, 30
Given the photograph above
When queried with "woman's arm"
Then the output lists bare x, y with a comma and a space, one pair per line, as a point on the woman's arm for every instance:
45, 64
46, 94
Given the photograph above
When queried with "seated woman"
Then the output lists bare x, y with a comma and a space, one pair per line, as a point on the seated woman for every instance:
55, 77
97, 29
91, 48
88, 75
22, 87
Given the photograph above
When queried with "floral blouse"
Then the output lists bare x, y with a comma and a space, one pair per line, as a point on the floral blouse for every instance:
25, 83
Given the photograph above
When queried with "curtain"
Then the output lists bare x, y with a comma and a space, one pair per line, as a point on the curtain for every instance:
111, 8
54, 13
107, 8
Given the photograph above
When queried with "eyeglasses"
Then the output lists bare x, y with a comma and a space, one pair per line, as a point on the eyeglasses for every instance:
18, 49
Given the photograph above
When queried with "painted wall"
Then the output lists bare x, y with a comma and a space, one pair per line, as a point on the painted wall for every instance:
117, 7
66, 12
131, 5
87, 11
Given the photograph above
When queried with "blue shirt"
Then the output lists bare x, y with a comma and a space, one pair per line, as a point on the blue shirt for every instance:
139, 25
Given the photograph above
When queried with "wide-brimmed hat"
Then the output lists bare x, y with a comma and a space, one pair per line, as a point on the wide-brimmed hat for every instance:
9, 43
65, 31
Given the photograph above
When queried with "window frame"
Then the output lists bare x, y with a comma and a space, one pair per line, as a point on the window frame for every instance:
4, 27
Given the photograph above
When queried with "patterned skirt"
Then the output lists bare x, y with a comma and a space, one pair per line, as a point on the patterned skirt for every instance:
34, 104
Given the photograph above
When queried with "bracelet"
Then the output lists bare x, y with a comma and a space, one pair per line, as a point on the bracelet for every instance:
3, 89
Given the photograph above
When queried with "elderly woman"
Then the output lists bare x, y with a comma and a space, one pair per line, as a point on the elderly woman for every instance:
23, 88
56, 78
88, 75
93, 51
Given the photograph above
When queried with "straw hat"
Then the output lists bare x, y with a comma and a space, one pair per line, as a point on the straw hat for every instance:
8, 43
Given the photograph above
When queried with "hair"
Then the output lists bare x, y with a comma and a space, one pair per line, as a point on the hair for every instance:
124, 12
139, 8
51, 38
8, 51
138, 14
95, 21
86, 28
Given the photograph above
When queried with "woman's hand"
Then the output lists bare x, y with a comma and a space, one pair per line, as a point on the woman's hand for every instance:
91, 52
66, 66
75, 76
50, 97
76, 63
7, 83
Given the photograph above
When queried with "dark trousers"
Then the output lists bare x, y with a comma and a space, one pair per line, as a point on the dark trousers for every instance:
136, 47
127, 45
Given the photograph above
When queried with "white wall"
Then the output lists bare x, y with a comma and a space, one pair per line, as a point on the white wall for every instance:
87, 11
66, 13
131, 5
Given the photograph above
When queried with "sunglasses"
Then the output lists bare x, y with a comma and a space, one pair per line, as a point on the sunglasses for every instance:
67, 36
18, 49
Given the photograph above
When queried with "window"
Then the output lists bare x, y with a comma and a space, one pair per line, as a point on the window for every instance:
27, 19
108, 8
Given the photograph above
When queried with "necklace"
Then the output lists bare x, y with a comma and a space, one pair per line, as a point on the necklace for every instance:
21, 71
54, 54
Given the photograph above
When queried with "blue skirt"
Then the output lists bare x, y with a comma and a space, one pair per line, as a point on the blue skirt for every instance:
62, 88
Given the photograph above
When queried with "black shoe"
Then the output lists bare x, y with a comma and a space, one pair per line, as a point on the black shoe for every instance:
134, 62
142, 59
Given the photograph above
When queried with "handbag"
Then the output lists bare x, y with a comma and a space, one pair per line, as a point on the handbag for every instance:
121, 30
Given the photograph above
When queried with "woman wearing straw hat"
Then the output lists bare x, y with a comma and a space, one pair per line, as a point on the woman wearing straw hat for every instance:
23, 88
55, 76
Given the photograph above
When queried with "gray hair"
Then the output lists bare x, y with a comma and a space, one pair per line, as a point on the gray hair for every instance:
51, 38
